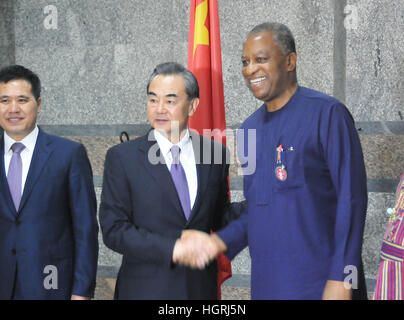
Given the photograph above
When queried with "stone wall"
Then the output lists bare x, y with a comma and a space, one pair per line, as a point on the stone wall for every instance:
7, 42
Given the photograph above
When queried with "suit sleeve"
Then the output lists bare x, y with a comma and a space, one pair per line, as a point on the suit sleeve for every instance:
119, 232
343, 153
83, 206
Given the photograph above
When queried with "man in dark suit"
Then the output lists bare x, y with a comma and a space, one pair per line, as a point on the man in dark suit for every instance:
48, 226
159, 185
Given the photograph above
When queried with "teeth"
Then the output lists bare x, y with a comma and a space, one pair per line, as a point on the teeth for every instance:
253, 81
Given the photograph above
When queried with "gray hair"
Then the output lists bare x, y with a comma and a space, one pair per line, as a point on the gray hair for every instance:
173, 68
283, 37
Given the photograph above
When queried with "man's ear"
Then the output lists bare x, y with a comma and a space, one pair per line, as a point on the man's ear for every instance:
39, 104
193, 106
291, 61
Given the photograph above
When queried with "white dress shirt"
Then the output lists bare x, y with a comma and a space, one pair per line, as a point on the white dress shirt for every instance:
26, 154
187, 159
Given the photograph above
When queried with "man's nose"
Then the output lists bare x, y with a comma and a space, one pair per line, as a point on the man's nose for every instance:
250, 69
161, 107
14, 106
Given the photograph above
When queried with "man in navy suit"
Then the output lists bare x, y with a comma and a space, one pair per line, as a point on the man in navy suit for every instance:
158, 185
48, 226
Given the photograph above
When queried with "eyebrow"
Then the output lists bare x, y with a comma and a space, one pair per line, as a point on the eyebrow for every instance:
262, 52
257, 53
151, 93
20, 96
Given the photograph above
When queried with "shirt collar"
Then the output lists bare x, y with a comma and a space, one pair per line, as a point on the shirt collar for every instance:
165, 144
29, 141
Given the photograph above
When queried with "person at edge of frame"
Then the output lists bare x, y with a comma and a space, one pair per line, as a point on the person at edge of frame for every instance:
48, 211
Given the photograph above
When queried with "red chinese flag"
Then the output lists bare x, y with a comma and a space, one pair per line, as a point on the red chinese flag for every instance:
205, 62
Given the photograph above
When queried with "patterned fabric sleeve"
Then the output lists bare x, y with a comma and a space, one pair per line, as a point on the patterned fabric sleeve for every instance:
390, 280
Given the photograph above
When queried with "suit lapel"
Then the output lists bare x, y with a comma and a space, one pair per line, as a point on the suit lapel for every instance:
4, 189
157, 168
203, 167
41, 154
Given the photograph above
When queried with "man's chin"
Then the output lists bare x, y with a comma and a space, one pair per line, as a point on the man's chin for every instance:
17, 135
260, 95
163, 131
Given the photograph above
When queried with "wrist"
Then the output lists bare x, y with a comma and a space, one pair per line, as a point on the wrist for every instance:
176, 251
220, 245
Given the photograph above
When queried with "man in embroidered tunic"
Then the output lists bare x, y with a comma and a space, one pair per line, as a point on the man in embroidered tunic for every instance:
307, 198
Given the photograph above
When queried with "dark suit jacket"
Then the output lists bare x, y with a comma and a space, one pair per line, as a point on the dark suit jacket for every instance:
55, 225
141, 217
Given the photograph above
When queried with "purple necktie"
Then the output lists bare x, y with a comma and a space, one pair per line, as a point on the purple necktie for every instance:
180, 181
14, 176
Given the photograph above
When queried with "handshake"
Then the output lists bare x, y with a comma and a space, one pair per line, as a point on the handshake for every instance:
196, 249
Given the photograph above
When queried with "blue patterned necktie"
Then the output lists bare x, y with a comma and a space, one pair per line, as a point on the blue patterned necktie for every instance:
14, 175
180, 181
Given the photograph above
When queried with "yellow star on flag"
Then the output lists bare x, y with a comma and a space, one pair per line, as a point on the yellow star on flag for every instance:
201, 34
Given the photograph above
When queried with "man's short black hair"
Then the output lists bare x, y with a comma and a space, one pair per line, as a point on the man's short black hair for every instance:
283, 37
17, 72
173, 68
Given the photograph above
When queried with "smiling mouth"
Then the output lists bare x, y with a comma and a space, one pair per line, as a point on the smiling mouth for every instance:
256, 81
15, 120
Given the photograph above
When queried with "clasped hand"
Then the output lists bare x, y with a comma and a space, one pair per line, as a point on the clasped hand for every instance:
196, 249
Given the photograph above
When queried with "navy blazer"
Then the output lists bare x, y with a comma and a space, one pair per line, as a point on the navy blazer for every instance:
141, 217
55, 225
